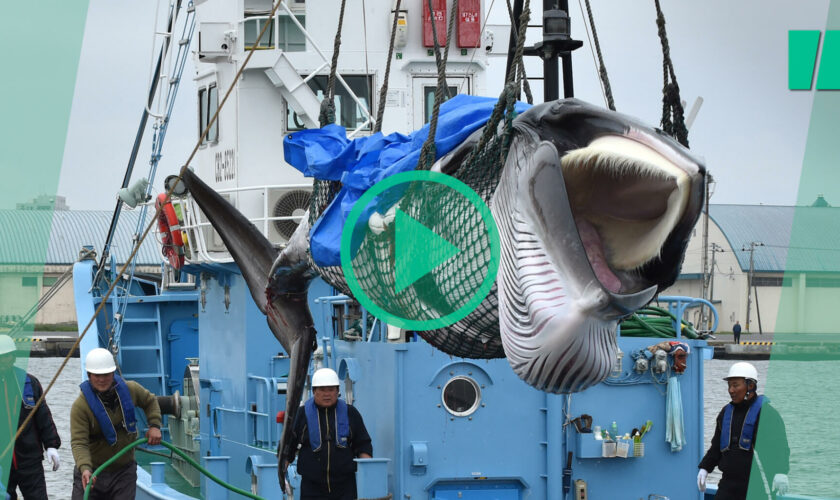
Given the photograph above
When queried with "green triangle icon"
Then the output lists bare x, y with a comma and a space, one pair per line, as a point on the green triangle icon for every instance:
418, 251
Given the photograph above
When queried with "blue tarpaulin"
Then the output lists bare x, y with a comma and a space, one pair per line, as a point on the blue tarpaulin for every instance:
326, 153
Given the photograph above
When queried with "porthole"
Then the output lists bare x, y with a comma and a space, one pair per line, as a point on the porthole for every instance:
348, 390
461, 396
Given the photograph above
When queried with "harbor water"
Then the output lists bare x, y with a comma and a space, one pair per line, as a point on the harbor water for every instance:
802, 388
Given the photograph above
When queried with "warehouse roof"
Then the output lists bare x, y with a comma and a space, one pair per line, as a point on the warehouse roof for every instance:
795, 239
56, 237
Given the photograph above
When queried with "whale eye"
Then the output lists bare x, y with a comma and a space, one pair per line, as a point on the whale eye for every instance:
461, 396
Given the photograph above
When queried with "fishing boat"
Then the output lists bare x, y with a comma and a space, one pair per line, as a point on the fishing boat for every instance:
443, 427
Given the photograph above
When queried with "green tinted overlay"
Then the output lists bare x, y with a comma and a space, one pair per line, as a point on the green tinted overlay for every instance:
434, 258
43, 43
802, 55
802, 373
829, 74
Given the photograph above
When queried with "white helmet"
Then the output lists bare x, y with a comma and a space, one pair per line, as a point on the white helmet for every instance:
7, 345
325, 377
742, 369
100, 361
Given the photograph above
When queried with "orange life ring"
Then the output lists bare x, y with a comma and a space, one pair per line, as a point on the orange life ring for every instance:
170, 232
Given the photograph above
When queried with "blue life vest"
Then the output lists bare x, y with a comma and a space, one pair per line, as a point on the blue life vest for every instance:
313, 423
28, 395
98, 409
745, 442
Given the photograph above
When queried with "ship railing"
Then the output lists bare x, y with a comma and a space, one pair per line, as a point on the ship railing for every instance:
197, 227
273, 44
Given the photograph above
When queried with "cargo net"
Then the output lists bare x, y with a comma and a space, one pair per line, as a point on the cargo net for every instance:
323, 193
452, 284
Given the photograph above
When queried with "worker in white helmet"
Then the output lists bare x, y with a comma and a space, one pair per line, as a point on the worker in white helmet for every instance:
102, 423
733, 447
20, 391
327, 436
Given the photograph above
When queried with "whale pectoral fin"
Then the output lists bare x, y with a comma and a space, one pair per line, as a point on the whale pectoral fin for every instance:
626, 304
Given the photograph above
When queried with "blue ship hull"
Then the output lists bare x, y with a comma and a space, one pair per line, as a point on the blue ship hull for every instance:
517, 443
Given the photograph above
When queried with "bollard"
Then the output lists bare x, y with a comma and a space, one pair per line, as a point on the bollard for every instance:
371, 477
263, 473
218, 466
158, 472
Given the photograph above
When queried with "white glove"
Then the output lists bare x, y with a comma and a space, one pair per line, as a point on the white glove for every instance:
701, 479
52, 456
781, 484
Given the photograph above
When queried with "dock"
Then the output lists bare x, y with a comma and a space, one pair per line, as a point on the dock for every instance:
805, 347
46, 344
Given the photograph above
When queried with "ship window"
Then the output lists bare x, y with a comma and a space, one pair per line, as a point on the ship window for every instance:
252, 30
208, 103
461, 396
289, 37
348, 113
429, 99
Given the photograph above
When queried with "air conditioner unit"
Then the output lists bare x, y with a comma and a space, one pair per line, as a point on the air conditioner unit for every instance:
291, 202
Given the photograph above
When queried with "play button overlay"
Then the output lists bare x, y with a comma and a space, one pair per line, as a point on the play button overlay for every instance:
413, 261
420, 250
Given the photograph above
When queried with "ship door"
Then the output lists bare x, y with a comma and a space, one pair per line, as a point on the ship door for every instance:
423, 90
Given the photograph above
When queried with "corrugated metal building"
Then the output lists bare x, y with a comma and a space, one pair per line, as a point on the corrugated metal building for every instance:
796, 266
38, 246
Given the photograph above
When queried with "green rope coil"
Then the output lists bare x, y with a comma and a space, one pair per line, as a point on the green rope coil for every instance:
177, 452
655, 321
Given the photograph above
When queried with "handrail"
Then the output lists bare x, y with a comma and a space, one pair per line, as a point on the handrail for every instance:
193, 222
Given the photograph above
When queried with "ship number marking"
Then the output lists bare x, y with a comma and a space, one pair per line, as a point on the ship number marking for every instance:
225, 165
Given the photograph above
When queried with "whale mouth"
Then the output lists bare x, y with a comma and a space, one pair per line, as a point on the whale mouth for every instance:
626, 198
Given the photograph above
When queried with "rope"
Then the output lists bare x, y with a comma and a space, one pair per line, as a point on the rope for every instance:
428, 152
602, 71
506, 100
151, 224
380, 110
327, 114
177, 452
671, 105
521, 66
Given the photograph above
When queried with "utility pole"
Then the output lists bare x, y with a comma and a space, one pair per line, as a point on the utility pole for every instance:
707, 273
753, 244
715, 249
704, 263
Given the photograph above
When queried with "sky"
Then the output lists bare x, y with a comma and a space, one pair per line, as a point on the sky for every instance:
751, 130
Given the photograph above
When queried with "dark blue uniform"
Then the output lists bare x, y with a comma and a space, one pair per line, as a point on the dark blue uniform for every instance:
329, 473
735, 462
27, 470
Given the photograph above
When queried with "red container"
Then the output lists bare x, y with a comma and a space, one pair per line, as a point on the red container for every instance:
439, 7
469, 23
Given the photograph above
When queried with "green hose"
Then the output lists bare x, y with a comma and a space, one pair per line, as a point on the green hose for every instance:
654, 321
177, 452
